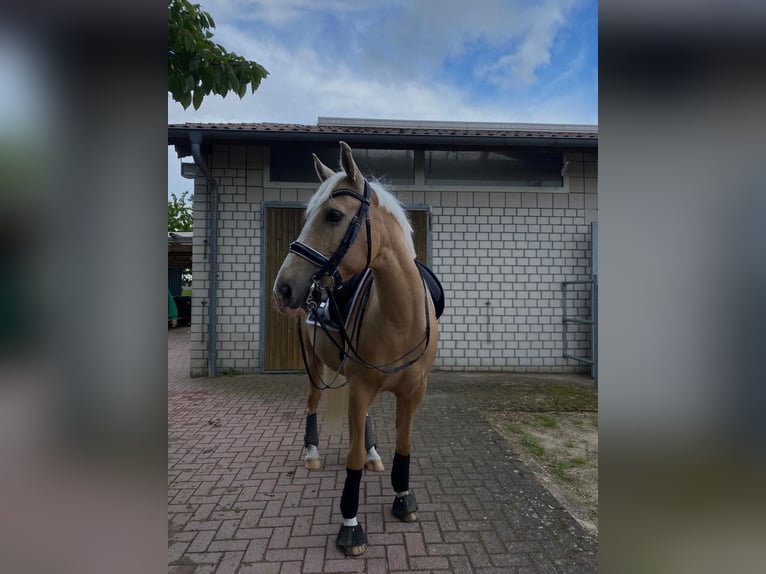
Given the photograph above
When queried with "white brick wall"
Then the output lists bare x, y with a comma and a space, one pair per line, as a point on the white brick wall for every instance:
501, 257
239, 171
502, 269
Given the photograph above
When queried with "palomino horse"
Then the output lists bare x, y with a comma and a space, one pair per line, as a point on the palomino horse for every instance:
390, 339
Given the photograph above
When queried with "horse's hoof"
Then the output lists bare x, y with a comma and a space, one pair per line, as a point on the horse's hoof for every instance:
375, 465
313, 463
405, 508
352, 540
352, 551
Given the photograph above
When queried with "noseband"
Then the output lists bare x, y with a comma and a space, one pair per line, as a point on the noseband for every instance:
328, 266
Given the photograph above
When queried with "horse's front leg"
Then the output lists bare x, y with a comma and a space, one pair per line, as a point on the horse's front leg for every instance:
311, 438
405, 507
351, 538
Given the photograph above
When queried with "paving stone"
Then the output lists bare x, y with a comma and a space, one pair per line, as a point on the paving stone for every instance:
397, 557
314, 560
428, 562
240, 499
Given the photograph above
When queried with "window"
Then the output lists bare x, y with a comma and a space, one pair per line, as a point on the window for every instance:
293, 163
494, 168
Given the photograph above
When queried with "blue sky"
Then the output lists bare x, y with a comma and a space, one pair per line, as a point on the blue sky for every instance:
477, 60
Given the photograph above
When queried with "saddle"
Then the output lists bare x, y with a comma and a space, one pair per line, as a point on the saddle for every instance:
333, 313
434, 287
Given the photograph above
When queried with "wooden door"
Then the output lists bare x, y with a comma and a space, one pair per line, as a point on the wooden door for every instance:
419, 221
281, 350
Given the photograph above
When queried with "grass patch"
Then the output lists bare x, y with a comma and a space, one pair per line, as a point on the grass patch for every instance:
515, 429
569, 443
532, 445
573, 398
548, 422
230, 372
560, 470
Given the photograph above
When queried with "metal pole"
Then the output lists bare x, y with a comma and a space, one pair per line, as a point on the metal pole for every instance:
594, 330
594, 299
212, 318
564, 317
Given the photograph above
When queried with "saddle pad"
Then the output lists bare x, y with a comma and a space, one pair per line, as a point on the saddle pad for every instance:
434, 287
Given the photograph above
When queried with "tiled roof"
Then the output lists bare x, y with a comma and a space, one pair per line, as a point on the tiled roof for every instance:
424, 129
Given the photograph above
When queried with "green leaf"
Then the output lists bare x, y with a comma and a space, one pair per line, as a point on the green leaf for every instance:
233, 80
197, 65
198, 95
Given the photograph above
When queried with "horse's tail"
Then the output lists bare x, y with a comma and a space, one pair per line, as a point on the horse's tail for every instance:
335, 402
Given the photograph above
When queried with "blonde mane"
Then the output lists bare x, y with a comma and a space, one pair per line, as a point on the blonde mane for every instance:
386, 201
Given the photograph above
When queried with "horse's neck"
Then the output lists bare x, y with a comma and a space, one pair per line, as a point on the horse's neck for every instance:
397, 279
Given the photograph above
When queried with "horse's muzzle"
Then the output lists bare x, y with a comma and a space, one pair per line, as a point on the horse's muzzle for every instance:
286, 302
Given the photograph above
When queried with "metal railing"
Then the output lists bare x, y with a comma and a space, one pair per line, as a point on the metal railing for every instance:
592, 321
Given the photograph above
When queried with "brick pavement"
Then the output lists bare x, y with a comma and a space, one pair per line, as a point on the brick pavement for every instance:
241, 501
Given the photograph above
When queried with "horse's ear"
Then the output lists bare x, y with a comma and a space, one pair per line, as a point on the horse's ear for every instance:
322, 170
348, 164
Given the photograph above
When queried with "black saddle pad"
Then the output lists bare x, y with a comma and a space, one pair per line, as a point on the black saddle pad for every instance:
434, 287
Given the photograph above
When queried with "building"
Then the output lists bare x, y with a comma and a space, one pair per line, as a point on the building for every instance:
503, 213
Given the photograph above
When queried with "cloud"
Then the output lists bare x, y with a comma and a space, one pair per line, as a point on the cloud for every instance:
406, 39
343, 60
281, 13
303, 86
517, 67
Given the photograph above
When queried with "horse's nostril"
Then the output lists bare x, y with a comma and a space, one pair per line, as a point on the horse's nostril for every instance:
285, 291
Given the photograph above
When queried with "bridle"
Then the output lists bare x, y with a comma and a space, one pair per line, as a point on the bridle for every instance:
328, 267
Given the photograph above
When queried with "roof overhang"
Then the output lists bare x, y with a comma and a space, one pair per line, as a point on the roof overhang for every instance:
391, 134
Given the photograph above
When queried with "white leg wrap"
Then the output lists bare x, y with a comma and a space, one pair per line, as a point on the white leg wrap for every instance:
403, 493
350, 521
312, 451
372, 454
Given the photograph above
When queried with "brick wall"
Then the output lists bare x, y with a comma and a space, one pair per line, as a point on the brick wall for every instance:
501, 257
239, 172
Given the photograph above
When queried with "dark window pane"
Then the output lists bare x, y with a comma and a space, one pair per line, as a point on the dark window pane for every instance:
293, 163
501, 168
395, 166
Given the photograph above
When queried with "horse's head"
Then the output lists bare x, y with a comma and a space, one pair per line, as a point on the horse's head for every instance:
335, 241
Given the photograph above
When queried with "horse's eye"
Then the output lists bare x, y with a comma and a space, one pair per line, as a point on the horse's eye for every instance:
334, 216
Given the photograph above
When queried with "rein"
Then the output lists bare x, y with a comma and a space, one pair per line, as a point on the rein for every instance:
329, 267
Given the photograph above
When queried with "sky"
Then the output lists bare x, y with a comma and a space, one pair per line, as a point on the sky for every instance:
528, 61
